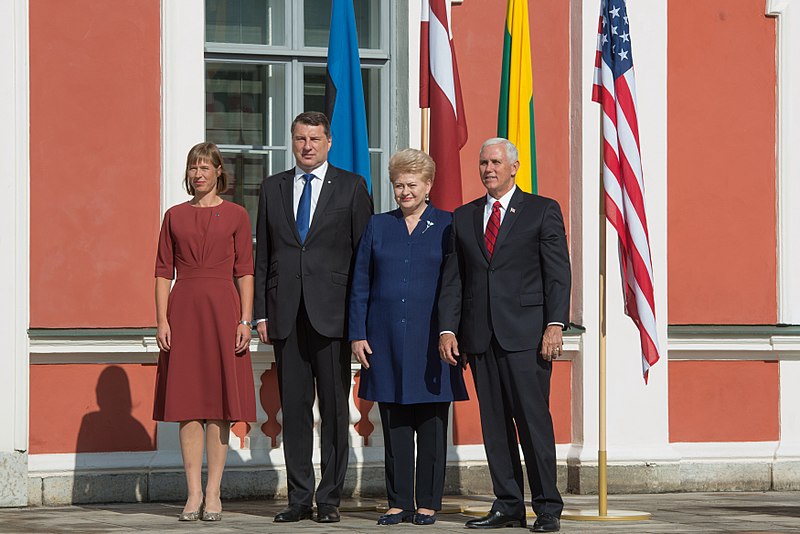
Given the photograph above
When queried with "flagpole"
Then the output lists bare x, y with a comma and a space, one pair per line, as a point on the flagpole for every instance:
602, 513
602, 454
424, 130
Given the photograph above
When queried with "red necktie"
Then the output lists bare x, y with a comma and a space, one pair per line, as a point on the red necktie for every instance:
492, 227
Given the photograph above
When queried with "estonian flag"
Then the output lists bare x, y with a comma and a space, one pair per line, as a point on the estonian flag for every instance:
344, 94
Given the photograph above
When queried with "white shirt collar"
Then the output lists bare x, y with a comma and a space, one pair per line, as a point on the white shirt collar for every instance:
319, 172
504, 200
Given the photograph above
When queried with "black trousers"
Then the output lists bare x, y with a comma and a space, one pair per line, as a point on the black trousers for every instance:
400, 423
308, 361
513, 393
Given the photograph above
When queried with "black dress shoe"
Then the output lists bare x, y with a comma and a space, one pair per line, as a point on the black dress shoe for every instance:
393, 519
293, 514
546, 523
327, 513
424, 519
495, 520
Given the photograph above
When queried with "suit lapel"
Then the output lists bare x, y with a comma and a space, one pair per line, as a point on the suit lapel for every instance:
477, 223
287, 196
515, 206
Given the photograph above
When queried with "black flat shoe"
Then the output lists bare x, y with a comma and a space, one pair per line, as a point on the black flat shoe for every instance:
327, 513
293, 514
546, 523
424, 519
394, 519
495, 520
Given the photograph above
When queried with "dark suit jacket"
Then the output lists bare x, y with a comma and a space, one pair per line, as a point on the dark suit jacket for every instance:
318, 269
525, 286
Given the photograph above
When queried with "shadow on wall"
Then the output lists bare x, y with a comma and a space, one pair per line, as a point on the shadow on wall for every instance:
112, 428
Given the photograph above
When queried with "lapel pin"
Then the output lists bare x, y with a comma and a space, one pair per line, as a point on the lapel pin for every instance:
329, 181
513, 210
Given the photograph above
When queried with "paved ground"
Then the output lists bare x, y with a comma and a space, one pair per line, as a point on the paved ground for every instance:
755, 513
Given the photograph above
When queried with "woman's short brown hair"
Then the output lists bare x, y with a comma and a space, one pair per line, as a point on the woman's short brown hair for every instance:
411, 161
210, 153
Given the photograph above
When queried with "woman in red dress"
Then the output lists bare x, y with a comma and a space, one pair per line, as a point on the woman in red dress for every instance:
204, 378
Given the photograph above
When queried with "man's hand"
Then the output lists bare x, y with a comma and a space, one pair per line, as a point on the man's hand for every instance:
448, 349
261, 328
551, 342
361, 349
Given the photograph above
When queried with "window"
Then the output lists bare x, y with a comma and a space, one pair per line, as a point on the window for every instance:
265, 63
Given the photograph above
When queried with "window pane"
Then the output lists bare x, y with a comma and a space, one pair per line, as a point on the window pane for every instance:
247, 171
314, 97
372, 100
245, 104
313, 88
318, 22
246, 21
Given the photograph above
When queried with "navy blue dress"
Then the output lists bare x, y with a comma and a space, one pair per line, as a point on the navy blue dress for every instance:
395, 287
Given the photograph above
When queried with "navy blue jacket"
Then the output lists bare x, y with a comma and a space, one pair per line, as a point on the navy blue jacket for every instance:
395, 287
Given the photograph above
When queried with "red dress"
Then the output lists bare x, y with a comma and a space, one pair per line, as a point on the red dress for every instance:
201, 377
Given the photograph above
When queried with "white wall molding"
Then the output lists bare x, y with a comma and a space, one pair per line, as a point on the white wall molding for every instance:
182, 92
788, 223
735, 348
14, 251
629, 399
788, 157
124, 347
729, 450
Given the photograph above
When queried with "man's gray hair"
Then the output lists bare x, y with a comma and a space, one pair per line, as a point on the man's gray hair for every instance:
511, 151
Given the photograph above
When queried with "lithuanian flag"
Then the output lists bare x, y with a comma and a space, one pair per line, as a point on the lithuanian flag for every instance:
515, 116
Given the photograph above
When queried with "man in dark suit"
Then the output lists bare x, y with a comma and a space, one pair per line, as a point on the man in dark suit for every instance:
310, 219
503, 304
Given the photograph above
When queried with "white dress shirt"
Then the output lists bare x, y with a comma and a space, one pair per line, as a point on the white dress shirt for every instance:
490, 200
316, 187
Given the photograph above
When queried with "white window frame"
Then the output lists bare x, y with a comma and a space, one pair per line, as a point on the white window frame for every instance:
296, 57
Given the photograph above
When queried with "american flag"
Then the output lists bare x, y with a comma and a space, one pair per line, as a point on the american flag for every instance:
615, 90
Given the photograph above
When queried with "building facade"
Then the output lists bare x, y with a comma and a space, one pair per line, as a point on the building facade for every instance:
101, 101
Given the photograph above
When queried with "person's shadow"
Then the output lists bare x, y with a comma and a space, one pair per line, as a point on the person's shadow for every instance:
113, 428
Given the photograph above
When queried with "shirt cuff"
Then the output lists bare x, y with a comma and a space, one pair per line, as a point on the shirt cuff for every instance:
260, 321
556, 323
443, 332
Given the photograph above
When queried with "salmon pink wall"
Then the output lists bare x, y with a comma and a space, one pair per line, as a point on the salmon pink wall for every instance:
721, 160
478, 28
467, 421
709, 401
91, 408
95, 161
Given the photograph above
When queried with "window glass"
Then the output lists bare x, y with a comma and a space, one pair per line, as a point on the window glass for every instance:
373, 96
318, 22
313, 88
245, 103
246, 170
246, 22
314, 97
253, 91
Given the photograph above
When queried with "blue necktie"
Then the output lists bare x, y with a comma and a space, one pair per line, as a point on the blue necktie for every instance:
303, 219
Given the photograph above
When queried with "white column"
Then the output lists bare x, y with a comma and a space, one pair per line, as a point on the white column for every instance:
182, 92
584, 215
638, 419
14, 253
638, 429
788, 226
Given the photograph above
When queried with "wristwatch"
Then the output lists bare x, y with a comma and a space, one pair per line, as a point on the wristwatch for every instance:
246, 323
